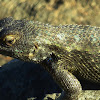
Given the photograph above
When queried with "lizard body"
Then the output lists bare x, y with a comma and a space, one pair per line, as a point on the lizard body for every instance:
65, 51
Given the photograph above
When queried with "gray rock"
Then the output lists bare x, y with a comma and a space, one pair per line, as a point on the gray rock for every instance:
28, 81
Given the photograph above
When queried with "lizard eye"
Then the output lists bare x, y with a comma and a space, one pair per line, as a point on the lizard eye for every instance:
9, 40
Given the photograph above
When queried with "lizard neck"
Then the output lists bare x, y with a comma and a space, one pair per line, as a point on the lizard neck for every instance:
70, 37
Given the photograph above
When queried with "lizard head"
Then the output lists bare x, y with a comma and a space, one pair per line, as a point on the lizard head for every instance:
20, 39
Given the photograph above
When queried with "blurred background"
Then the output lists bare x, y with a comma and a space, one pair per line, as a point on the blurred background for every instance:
54, 12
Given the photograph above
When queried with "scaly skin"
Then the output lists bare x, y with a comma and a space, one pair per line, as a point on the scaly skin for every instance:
67, 52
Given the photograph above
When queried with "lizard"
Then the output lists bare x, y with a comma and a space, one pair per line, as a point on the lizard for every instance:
67, 52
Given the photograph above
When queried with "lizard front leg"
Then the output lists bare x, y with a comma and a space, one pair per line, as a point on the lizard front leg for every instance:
67, 81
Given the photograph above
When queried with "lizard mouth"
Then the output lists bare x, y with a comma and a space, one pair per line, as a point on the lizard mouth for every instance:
6, 51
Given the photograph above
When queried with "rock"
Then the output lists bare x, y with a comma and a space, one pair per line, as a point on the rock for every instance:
28, 81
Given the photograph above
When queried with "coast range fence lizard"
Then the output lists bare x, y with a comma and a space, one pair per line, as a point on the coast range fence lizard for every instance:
65, 51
